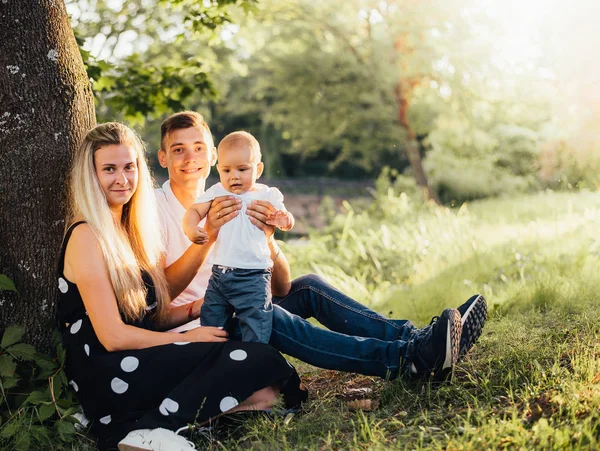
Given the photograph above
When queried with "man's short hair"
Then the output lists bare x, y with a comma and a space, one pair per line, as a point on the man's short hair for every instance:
184, 119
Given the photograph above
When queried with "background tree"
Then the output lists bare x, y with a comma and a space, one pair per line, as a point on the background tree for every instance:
46, 106
366, 84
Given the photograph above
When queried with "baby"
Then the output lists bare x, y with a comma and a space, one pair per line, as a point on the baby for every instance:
241, 274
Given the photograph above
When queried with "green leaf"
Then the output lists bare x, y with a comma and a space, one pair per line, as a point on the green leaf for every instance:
64, 429
22, 351
61, 354
12, 334
22, 442
46, 411
10, 382
6, 283
40, 435
70, 411
44, 362
10, 429
7, 366
38, 397
47, 366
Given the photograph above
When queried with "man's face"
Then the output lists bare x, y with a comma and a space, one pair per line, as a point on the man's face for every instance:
188, 154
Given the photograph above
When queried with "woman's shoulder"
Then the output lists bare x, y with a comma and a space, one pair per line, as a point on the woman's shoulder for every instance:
82, 240
81, 230
82, 252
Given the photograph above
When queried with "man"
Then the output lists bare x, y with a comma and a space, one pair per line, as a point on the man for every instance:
358, 340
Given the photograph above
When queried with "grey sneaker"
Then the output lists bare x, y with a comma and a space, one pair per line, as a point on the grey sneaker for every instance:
433, 351
473, 314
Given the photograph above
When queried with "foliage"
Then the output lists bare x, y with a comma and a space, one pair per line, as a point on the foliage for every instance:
317, 83
6, 283
148, 82
37, 404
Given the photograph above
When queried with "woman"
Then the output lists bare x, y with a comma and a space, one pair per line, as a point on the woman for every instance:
131, 377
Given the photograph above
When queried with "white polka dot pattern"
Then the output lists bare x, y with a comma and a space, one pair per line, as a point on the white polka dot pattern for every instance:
238, 355
129, 364
119, 386
181, 343
74, 385
106, 420
228, 403
76, 326
86, 348
168, 406
62, 285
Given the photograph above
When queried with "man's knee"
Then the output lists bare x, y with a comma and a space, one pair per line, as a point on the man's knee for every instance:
309, 280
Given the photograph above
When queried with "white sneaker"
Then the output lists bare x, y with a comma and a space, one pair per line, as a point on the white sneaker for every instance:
83, 421
158, 439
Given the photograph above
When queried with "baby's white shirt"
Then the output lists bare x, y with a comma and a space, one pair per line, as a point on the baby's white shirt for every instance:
240, 243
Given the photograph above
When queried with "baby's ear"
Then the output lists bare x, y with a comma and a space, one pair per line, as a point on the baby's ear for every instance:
259, 169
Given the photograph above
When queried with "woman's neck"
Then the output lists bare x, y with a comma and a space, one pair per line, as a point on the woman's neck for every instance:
117, 213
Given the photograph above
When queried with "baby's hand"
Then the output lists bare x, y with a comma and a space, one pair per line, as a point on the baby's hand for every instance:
197, 235
281, 219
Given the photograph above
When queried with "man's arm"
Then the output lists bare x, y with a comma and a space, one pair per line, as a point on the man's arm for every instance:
281, 278
182, 271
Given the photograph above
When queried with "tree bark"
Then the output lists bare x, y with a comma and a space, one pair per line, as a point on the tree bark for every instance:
46, 107
412, 146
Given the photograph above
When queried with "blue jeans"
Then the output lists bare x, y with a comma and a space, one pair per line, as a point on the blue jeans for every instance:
247, 292
359, 340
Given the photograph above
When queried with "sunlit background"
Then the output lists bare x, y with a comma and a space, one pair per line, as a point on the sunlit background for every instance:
497, 97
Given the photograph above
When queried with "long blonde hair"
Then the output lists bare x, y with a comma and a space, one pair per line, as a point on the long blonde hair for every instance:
134, 245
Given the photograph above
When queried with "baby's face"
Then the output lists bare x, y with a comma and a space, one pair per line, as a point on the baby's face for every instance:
237, 169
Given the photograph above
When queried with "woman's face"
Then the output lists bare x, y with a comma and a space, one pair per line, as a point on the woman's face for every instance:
117, 172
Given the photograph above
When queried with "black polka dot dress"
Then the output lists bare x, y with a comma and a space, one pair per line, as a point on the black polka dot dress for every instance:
166, 386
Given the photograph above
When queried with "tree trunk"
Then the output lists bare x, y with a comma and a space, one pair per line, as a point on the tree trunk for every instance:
412, 148
46, 106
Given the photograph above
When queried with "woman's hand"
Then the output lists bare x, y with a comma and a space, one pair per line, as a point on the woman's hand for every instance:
222, 210
205, 334
259, 212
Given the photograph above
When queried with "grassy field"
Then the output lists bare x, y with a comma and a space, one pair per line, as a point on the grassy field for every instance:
531, 382
533, 379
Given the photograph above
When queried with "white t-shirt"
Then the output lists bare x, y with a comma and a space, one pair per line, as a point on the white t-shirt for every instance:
171, 214
240, 243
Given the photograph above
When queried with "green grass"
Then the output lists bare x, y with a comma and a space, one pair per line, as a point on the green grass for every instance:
533, 379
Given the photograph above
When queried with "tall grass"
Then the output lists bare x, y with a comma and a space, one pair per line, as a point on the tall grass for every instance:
533, 379
413, 260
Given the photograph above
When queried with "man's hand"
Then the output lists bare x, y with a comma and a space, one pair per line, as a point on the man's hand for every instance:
259, 212
222, 210
281, 219
197, 235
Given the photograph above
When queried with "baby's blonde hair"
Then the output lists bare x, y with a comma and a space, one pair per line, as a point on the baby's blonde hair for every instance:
241, 137
134, 245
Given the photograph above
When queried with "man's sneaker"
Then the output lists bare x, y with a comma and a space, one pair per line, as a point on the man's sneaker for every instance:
433, 350
154, 440
473, 314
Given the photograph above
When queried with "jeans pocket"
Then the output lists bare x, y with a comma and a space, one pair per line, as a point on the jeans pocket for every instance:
268, 307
